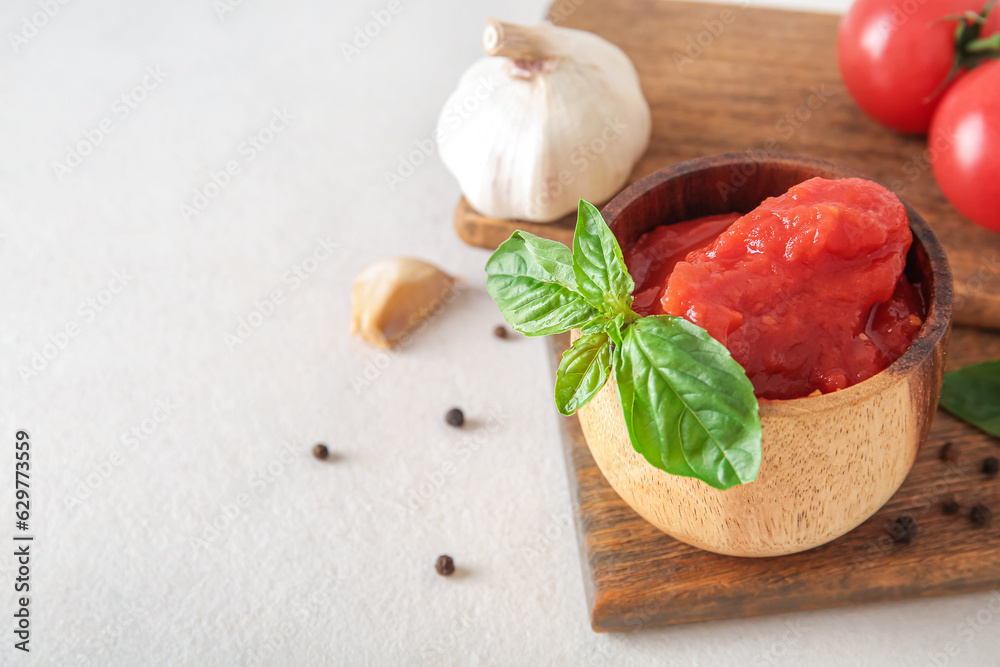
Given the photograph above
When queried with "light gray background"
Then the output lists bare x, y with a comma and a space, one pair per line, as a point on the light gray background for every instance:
317, 557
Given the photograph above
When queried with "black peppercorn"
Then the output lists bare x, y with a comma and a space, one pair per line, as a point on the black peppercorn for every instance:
455, 417
949, 452
903, 530
991, 466
445, 565
321, 451
950, 506
981, 515
500, 331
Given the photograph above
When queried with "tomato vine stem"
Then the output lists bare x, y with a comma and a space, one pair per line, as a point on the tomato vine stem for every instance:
971, 49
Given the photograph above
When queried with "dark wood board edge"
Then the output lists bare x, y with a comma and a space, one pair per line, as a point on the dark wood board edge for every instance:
481, 231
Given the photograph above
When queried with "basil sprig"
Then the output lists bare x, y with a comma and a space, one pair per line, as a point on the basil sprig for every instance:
972, 393
689, 407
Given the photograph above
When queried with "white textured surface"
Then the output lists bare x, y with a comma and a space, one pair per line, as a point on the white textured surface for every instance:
319, 559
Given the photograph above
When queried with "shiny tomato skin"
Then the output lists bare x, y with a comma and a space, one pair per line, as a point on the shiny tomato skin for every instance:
893, 55
964, 145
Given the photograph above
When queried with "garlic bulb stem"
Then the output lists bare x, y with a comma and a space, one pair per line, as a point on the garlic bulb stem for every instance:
519, 42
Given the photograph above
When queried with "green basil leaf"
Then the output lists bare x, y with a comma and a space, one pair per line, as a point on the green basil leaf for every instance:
584, 369
972, 394
641, 416
552, 256
597, 325
532, 283
689, 407
598, 264
614, 328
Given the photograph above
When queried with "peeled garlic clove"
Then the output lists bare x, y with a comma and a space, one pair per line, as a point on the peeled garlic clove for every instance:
554, 115
393, 296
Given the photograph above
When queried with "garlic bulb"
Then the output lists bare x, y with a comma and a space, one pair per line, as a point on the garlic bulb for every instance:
557, 115
392, 296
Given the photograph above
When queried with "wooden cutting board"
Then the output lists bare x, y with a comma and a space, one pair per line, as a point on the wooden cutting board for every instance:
723, 79
635, 576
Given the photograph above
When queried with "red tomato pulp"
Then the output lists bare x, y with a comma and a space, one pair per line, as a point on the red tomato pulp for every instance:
653, 257
807, 291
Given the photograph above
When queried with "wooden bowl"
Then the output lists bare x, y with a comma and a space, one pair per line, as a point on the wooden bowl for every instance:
829, 462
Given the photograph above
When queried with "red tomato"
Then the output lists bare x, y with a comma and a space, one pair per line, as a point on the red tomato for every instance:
965, 145
894, 54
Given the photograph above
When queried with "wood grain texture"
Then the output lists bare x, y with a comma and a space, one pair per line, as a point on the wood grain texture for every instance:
767, 82
829, 462
636, 576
